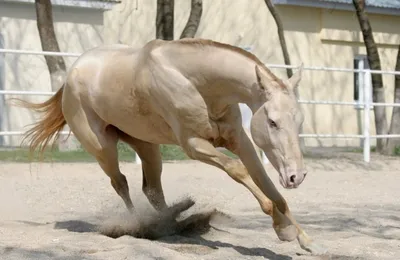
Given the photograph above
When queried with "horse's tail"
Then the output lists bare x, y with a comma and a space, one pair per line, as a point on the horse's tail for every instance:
49, 125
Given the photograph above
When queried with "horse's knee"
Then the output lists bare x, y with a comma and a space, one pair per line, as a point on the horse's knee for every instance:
267, 207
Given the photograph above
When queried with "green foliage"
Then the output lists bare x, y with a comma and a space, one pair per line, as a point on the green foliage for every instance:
80, 155
360, 149
230, 154
396, 151
124, 148
125, 154
172, 152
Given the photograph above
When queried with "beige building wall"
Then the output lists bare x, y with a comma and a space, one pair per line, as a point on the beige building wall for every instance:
76, 29
332, 38
317, 37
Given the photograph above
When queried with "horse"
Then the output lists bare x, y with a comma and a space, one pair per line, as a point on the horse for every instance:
184, 92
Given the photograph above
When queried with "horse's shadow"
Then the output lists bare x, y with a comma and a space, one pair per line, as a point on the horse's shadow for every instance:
187, 237
165, 229
78, 226
198, 240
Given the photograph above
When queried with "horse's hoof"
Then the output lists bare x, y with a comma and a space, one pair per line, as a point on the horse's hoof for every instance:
288, 233
310, 246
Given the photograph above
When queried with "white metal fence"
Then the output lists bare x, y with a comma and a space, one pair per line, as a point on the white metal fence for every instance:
366, 103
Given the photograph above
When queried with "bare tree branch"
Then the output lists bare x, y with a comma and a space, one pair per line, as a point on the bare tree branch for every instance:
159, 20
194, 19
165, 20
281, 35
392, 143
55, 64
375, 64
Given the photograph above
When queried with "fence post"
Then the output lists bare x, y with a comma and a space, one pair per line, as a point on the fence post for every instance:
367, 104
137, 159
264, 158
2, 87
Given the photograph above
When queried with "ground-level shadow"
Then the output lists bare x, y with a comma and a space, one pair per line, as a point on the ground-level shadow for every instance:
198, 240
164, 228
17, 253
76, 226
190, 235
198, 231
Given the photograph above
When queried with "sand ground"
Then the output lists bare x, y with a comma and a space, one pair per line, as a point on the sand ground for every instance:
48, 211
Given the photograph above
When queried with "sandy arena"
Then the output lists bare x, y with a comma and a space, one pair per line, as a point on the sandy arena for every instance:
52, 211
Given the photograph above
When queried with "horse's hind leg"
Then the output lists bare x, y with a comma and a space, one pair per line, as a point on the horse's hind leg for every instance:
151, 168
107, 158
99, 140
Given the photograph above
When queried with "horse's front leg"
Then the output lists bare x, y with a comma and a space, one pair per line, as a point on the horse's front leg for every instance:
202, 150
248, 155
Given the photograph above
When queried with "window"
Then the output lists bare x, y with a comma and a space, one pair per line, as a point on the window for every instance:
360, 62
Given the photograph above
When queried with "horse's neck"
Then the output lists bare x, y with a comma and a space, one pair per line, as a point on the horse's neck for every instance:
231, 72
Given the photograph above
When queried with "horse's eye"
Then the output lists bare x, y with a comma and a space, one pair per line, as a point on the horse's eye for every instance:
272, 123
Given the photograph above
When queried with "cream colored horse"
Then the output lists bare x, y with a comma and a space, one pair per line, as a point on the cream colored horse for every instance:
183, 92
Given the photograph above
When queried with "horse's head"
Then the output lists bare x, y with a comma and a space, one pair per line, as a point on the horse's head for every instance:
275, 125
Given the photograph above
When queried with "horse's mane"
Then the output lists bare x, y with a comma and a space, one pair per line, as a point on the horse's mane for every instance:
207, 42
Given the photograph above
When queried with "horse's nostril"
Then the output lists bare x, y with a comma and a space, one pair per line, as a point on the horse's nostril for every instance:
292, 178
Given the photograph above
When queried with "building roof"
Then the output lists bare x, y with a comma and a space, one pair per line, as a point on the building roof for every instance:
110, 1
389, 7
395, 4
92, 4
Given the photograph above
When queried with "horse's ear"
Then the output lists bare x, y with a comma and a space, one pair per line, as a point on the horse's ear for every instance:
264, 76
259, 76
295, 79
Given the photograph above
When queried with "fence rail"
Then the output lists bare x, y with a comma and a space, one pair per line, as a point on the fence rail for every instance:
316, 102
40, 53
277, 66
365, 104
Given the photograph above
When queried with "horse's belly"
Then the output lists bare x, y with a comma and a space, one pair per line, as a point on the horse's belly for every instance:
152, 129
132, 115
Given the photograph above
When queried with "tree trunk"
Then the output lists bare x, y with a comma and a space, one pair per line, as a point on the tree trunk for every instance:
392, 143
49, 42
281, 35
286, 58
194, 19
165, 20
55, 64
159, 20
375, 64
